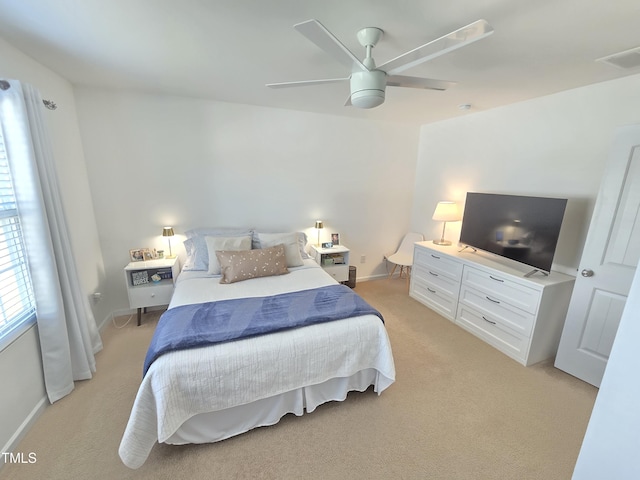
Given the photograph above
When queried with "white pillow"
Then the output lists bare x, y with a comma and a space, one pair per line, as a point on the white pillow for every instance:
302, 241
215, 244
196, 246
218, 232
290, 242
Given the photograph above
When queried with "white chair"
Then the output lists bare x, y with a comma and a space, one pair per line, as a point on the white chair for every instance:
404, 255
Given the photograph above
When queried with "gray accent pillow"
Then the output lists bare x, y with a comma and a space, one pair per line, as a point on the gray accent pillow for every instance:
237, 266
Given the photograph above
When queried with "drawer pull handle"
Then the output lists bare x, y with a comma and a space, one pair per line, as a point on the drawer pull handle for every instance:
492, 300
432, 291
435, 256
434, 274
488, 321
496, 279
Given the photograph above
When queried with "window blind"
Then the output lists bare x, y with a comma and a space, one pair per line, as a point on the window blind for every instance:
17, 303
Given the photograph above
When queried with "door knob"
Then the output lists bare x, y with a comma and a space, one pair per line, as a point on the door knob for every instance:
587, 272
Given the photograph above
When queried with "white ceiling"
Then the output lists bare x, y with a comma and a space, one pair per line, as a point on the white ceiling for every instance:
228, 49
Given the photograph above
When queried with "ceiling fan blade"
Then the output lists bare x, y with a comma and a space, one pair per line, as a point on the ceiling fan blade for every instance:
415, 82
323, 38
454, 40
306, 83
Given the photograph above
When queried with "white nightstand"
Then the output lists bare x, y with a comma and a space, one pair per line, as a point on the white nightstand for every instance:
143, 291
334, 260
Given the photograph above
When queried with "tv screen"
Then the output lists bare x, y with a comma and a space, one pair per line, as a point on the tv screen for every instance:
524, 229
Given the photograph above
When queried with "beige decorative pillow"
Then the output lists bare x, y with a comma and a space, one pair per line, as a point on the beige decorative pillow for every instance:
236, 266
215, 244
290, 242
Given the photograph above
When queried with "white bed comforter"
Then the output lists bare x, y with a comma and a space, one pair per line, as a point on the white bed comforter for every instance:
182, 384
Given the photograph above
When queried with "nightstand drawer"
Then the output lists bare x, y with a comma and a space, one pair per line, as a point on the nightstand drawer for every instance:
339, 272
150, 295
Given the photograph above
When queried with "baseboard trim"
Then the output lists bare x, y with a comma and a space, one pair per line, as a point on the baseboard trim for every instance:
24, 427
105, 322
371, 277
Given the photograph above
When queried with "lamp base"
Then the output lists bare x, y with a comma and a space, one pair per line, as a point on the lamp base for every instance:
169, 256
442, 241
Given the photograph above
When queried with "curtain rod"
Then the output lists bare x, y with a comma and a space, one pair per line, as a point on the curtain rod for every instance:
50, 104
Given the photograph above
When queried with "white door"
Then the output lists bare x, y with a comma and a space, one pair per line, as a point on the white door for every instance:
609, 260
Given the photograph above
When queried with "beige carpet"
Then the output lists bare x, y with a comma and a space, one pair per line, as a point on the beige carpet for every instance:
458, 410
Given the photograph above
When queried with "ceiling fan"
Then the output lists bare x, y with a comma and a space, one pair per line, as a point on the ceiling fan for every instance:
367, 81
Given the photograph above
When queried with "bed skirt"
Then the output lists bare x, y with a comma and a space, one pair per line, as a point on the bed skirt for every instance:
223, 424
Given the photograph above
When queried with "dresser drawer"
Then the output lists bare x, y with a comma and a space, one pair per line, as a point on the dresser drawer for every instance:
436, 279
518, 320
501, 288
437, 262
434, 298
505, 340
150, 295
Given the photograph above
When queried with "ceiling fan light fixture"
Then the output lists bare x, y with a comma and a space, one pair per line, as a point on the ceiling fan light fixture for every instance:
367, 98
368, 81
367, 88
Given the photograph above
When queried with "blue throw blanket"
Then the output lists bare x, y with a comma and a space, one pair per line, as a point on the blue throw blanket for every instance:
201, 324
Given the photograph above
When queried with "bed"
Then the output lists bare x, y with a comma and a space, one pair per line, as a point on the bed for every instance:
209, 393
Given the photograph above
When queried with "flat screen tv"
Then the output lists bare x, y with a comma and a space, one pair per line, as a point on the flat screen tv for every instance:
524, 229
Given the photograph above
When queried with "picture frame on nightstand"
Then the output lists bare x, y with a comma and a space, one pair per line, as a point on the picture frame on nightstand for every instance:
335, 239
136, 255
141, 255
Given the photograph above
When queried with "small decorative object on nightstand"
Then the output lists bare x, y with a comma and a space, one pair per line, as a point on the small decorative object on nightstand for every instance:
150, 283
334, 261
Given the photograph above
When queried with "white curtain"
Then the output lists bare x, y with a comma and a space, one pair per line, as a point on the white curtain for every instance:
68, 333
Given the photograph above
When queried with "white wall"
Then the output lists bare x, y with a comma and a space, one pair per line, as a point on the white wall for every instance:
22, 393
610, 447
551, 146
160, 160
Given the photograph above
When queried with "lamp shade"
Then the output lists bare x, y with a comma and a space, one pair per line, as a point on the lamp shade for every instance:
167, 232
319, 224
447, 212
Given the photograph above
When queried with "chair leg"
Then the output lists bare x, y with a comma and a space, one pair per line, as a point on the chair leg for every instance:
393, 271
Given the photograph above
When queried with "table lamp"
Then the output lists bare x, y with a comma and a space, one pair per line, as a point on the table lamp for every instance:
445, 212
168, 232
319, 226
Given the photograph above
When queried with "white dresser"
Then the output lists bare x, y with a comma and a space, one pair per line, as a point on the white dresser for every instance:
522, 317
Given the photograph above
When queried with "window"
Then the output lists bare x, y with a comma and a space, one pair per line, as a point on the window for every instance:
17, 304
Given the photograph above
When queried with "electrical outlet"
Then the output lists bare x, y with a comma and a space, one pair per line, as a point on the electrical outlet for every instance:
363, 258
